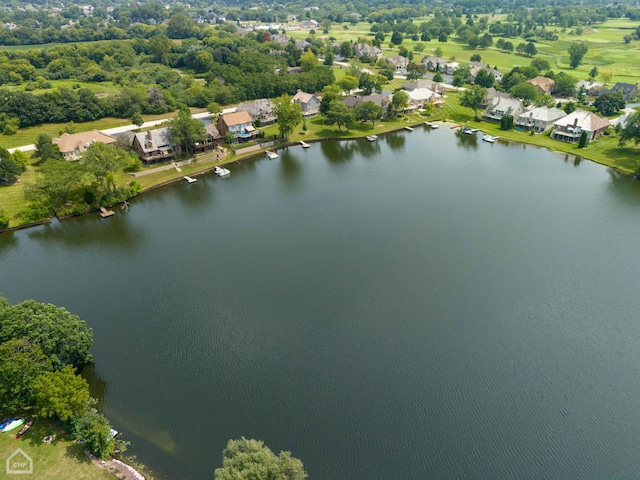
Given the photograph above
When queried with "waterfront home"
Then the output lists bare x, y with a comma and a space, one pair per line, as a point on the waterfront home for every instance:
212, 140
309, 103
475, 67
539, 119
570, 128
491, 94
377, 98
155, 146
72, 145
424, 83
544, 85
499, 107
419, 97
261, 111
239, 124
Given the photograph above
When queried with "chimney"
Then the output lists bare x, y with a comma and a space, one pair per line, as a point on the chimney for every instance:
575, 122
149, 134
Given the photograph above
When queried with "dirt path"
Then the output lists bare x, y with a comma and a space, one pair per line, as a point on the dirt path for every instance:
122, 470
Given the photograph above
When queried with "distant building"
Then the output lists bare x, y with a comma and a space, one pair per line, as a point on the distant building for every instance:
424, 83
629, 90
72, 145
592, 88
433, 63
475, 67
570, 128
399, 62
366, 50
155, 146
309, 24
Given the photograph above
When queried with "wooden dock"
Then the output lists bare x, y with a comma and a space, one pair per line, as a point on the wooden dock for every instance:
304, 144
104, 213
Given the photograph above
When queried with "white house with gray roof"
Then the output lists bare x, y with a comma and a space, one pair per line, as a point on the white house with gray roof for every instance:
539, 119
260, 111
500, 107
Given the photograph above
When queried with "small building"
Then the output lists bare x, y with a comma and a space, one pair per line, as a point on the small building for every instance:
309, 103
570, 128
72, 145
155, 146
261, 111
500, 107
539, 119
544, 85
309, 24
239, 124
280, 39
366, 50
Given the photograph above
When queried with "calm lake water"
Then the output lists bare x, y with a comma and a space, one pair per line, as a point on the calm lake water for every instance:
428, 306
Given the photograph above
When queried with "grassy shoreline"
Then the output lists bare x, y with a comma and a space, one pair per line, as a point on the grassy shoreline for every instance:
604, 150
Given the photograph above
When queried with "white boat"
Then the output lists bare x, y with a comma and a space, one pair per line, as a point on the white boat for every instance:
469, 131
432, 125
304, 144
489, 138
409, 129
271, 155
221, 171
190, 180
372, 138
13, 425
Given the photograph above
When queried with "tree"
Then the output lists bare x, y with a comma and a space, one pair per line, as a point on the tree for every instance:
160, 48
606, 76
609, 103
186, 130
396, 38
63, 337
308, 61
288, 113
506, 122
330, 93
569, 108
631, 130
180, 26
366, 83
346, 50
530, 49
339, 114
577, 50
461, 75
565, 84
328, 58
593, 73
9, 170
415, 71
20, 158
21, 362
45, 149
58, 178
251, 459
102, 161
203, 62
438, 77
541, 64
60, 394
137, 119
584, 139
368, 112
524, 91
472, 98
348, 83
475, 58
484, 79
399, 102
94, 430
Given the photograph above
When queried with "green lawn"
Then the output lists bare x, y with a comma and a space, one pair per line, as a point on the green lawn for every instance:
96, 87
60, 460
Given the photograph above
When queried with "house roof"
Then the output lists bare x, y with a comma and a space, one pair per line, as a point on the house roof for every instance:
152, 140
302, 97
543, 114
507, 105
211, 130
263, 106
434, 59
625, 87
237, 118
585, 120
543, 82
399, 60
80, 141
422, 94
430, 84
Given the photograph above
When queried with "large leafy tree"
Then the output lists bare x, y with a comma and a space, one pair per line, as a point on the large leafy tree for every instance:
248, 459
288, 113
631, 130
9, 170
565, 84
60, 394
63, 337
609, 103
524, 91
577, 50
94, 429
484, 79
399, 102
472, 98
368, 112
21, 362
57, 181
45, 149
102, 161
186, 130
330, 94
339, 114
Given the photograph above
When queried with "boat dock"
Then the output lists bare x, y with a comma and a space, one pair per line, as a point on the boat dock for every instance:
408, 128
190, 179
271, 155
304, 144
104, 213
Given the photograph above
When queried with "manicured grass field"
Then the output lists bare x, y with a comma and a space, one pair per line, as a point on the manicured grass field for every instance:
60, 460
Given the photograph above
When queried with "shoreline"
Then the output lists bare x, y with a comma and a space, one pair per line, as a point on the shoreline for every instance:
260, 153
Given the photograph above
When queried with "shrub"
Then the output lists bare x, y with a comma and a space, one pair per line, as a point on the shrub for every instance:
4, 220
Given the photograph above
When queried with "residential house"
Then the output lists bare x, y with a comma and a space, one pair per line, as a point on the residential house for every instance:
629, 90
239, 124
491, 94
544, 85
72, 145
433, 63
303, 45
399, 62
475, 67
309, 103
366, 50
419, 97
261, 111
570, 128
280, 39
449, 68
309, 24
591, 88
212, 140
499, 107
539, 119
155, 146
377, 98
424, 83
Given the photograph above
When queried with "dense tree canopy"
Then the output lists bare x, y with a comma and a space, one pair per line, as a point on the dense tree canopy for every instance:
288, 114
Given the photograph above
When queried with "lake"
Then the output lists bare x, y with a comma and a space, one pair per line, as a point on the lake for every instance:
427, 306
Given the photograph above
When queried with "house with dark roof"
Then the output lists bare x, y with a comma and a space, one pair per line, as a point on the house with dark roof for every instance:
629, 90
239, 124
570, 128
212, 140
261, 111
155, 146
377, 98
475, 67
309, 103
499, 107
433, 63
491, 94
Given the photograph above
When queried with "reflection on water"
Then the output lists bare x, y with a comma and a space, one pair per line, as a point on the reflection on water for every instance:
396, 140
339, 151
